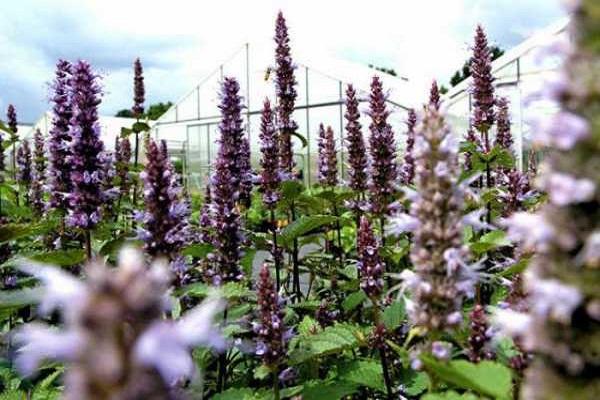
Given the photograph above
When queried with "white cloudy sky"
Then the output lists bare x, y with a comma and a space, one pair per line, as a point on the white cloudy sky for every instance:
180, 40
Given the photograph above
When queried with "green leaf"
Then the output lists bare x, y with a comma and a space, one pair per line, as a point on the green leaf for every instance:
290, 190
367, 373
140, 127
487, 378
241, 394
516, 268
10, 232
450, 395
353, 300
308, 326
333, 339
62, 258
318, 390
261, 372
247, 261
231, 290
394, 314
416, 384
304, 225
125, 132
301, 138
490, 241
198, 250
14, 299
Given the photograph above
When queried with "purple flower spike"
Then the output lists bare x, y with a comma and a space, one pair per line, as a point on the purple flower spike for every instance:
165, 225
370, 264
138, 89
39, 173
24, 165
59, 169
270, 177
408, 167
482, 88
206, 217
272, 334
441, 279
434, 96
285, 83
87, 197
233, 144
382, 150
504, 137
357, 152
2, 158
122, 160
327, 157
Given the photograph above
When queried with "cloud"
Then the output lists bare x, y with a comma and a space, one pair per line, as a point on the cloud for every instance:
179, 41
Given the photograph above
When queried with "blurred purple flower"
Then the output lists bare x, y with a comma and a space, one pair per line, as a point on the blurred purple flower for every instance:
327, 162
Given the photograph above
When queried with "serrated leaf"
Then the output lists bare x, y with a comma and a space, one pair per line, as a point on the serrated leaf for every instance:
333, 339
308, 326
198, 250
487, 377
367, 373
14, 299
261, 372
450, 395
490, 241
318, 390
10, 232
393, 315
417, 384
353, 300
304, 225
61, 258
247, 261
290, 190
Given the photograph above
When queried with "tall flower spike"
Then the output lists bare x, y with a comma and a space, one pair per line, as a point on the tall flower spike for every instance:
357, 152
562, 325
441, 279
482, 88
206, 235
285, 90
246, 173
11, 119
479, 337
370, 264
272, 335
36, 193
138, 89
59, 169
115, 341
270, 178
504, 137
24, 167
408, 167
231, 141
122, 159
165, 227
383, 151
327, 157
2, 158
86, 198
434, 96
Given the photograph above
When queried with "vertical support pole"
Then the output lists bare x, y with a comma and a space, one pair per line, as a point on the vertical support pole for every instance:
308, 133
198, 100
520, 116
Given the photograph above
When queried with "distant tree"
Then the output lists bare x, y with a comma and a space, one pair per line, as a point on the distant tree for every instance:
389, 71
443, 89
154, 111
465, 71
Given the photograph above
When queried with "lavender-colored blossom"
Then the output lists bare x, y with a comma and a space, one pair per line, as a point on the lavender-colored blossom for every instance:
59, 169
270, 178
138, 89
482, 88
115, 340
11, 120
479, 337
165, 227
86, 198
504, 137
205, 221
285, 90
472, 138
327, 162
382, 148
441, 350
36, 192
517, 191
122, 160
370, 263
442, 277
246, 173
233, 148
24, 166
434, 96
272, 334
561, 323
408, 167
357, 152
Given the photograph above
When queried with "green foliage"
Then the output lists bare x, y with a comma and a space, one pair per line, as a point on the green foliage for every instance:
487, 378
490, 241
318, 390
394, 315
450, 395
304, 225
366, 373
333, 339
353, 300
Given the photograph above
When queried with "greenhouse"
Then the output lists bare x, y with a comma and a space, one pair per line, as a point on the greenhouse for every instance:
192, 123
